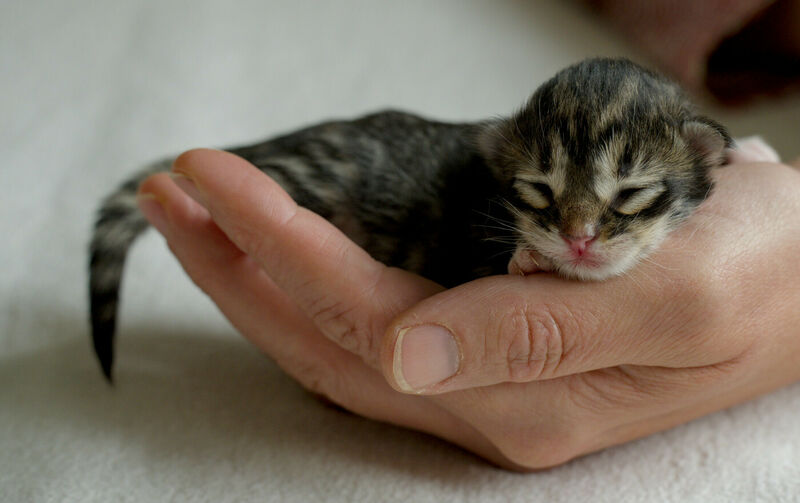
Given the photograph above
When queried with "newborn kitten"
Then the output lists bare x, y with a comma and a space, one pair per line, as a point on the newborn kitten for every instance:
586, 179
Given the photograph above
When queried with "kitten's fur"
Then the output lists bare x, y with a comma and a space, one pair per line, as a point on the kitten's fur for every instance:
605, 150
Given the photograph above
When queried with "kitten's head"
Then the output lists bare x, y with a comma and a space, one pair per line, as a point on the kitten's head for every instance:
603, 161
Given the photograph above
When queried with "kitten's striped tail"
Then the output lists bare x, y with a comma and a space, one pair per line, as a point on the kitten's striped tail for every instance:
118, 224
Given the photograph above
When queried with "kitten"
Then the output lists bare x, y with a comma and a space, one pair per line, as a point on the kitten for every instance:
586, 179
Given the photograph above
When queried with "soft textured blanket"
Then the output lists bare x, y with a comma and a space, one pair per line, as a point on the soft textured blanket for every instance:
91, 90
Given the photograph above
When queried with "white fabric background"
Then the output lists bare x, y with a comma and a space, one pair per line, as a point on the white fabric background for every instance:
89, 91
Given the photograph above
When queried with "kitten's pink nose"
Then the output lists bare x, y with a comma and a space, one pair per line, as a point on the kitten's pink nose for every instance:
578, 244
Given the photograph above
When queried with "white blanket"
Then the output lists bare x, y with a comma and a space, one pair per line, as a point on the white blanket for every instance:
89, 91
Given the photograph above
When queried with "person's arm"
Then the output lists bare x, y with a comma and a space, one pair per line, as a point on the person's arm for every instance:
527, 372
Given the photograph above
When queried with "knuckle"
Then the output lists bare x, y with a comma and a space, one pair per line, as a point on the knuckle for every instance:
251, 238
195, 267
532, 340
319, 379
349, 322
314, 379
257, 245
340, 323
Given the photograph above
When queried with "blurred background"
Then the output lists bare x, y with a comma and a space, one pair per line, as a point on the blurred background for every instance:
92, 90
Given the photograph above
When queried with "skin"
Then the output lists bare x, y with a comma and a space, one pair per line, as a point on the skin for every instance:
546, 369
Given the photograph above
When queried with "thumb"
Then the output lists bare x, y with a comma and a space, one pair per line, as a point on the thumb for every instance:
514, 329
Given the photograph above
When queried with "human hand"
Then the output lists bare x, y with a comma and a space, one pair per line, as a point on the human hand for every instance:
527, 372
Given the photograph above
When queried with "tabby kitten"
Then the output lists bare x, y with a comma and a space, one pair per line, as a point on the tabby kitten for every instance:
586, 179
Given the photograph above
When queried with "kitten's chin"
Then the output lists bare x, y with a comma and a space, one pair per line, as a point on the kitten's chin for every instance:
601, 269
525, 262
589, 271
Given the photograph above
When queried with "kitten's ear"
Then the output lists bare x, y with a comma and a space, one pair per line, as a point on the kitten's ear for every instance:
709, 140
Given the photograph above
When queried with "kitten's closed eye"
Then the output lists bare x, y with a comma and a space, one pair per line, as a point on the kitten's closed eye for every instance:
537, 194
632, 200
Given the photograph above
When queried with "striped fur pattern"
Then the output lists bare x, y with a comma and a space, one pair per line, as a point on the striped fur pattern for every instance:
605, 147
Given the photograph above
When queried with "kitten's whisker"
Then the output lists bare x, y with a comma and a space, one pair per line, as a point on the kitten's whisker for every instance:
501, 227
635, 282
653, 262
502, 238
631, 276
508, 241
681, 244
648, 277
703, 225
500, 253
513, 209
497, 223
502, 204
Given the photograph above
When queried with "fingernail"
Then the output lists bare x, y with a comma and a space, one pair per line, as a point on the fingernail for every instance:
187, 185
423, 356
151, 207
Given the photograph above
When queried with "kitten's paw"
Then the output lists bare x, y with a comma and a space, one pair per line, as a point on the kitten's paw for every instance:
752, 149
526, 262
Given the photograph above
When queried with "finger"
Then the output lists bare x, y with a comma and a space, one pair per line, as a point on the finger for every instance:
349, 296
